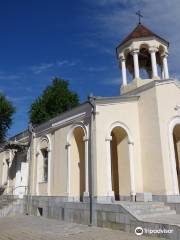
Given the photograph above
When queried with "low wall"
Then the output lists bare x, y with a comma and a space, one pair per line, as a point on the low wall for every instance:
112, 216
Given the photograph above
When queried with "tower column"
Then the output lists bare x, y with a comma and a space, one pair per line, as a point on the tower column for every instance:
153, 51
123, 68
136, 62
165, 65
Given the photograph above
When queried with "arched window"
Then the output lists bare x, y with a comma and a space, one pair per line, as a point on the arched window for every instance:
44, 160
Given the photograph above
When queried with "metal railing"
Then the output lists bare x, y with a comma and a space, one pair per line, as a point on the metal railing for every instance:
11, 190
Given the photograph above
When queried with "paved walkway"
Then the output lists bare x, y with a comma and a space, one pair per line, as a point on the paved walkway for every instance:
38, 228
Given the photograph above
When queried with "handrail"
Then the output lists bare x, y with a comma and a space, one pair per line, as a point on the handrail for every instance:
14, 188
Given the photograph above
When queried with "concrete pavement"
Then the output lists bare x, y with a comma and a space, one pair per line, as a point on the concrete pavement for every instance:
39, 228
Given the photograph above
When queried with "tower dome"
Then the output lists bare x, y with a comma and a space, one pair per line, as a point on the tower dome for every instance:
142, 51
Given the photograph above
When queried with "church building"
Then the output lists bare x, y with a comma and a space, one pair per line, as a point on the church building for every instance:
109, 149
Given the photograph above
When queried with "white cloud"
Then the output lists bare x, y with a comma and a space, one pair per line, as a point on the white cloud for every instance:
9, 76
95, 69
42, 67
111, 2
19, 98
113, 81
67, 63
162, 17
61, 63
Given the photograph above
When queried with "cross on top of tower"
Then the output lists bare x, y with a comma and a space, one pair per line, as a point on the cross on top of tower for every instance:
139, 16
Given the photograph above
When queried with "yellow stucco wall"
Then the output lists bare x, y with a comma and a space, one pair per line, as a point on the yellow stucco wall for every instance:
147, 118
153, 176
168, 96
126, 113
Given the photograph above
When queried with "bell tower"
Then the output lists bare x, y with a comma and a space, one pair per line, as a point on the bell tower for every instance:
143, 54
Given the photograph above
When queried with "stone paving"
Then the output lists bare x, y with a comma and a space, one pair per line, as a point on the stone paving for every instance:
39, 228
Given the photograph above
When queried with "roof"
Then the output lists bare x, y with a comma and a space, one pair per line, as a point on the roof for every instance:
140, 31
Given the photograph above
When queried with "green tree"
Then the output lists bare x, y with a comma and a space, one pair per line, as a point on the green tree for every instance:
6, 112
55, 99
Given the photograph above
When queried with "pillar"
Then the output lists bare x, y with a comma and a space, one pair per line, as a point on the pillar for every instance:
37, 161
153, 51
110, 193
136, 63
49, 173
132, 170
123, 69
86, 193
68, 181
165, 65
162, 73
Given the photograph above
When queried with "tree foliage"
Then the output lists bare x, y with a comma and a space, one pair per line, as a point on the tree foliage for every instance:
6, 112
54, 100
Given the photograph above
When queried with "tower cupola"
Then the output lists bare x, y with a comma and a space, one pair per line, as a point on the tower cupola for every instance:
143, 54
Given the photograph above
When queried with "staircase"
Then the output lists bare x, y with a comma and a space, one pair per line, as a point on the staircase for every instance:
9, 206
2, 188
148, 210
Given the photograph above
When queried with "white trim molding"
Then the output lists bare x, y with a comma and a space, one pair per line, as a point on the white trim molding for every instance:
68, 120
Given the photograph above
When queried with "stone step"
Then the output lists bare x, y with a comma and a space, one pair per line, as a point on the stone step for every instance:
133, 208
142, 203
152, 210
156, 214
143, 206
145, 210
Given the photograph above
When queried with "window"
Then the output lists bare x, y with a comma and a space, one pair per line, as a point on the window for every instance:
45, 164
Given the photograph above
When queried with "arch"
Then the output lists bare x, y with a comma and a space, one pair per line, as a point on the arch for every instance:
145, 64
126, 51
77, 161
144, 45
44, 140
173, 160
111, 145
70, 132
122, 125
162, 49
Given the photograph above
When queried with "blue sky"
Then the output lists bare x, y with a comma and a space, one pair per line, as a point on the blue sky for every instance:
74, 40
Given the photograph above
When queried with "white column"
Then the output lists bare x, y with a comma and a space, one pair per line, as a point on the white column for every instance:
33, 165
123, 69
37, 172
153, 62
108, 166
3, 171
162, 72
86, 193
132, 170
165, 66
136, 63
68, 185
49, 173
10, 162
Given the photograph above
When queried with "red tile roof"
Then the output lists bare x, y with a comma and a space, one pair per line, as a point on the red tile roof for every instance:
141, 31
